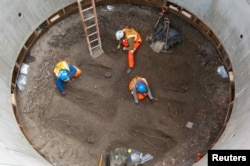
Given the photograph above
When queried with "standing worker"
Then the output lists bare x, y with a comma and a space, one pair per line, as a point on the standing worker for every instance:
130, 40
139, 88
64, 72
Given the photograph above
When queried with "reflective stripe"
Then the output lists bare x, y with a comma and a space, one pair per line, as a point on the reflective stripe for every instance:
129, 36
130, 32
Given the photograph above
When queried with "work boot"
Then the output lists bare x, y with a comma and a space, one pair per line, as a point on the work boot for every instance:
128, 70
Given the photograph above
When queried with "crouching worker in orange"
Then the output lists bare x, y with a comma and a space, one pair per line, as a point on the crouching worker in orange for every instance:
130, 40
140, 89
64, 72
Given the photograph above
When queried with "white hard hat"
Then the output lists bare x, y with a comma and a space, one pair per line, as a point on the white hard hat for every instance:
119, 34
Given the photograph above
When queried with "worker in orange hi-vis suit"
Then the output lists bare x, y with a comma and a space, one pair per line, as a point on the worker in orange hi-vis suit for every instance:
139, 88
131, 41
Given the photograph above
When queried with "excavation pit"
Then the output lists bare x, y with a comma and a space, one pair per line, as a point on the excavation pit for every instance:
99, 114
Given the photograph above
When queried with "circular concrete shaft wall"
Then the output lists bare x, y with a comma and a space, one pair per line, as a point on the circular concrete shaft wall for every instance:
19, 20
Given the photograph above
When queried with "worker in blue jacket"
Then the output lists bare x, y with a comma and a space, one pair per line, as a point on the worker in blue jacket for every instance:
64, 72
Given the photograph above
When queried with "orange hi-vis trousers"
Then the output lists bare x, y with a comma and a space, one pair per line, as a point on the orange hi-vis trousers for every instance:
141, 96
131, 61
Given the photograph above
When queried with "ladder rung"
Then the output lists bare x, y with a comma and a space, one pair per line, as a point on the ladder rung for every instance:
84, 10
88, 18
92, 33
93, 40
95, 46
91, 26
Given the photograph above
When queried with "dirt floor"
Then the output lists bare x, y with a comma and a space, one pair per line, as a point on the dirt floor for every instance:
98, 113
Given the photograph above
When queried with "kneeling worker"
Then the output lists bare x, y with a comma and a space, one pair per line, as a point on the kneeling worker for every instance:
64, 72
140, 89
131, 41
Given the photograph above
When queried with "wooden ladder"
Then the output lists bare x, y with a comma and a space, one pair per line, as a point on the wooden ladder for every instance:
91, 28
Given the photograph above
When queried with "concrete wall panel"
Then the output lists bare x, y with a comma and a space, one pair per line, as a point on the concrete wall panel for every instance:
17, 28
5, 72
14, 148
19, 19
200, 8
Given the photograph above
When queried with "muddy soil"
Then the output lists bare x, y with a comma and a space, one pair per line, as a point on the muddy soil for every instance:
98, 113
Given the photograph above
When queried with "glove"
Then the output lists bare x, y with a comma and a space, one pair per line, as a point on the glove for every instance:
124, 49
118, 47
63, 93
